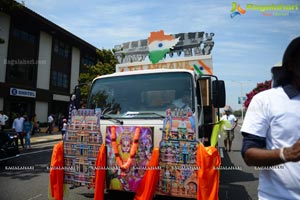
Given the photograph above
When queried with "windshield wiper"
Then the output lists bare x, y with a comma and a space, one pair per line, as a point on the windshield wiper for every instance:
145, 113
112, 119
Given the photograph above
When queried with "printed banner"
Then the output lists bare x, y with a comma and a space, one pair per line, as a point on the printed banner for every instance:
178, 149
129, 150
81, 145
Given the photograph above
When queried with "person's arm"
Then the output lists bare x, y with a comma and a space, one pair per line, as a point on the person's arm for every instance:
14, 125
31, 127
255, 154
235, 123
23, 127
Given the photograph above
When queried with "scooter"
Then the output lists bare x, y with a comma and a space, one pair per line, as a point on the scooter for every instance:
8, 145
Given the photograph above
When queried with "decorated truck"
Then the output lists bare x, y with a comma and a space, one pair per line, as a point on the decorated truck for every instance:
154, 118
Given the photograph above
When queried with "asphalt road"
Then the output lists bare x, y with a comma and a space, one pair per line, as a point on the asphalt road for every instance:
237, 180
26, 177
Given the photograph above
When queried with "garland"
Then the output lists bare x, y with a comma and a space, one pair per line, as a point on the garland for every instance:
133, 149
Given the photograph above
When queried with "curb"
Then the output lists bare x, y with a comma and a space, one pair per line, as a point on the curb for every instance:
45, 141
39, 139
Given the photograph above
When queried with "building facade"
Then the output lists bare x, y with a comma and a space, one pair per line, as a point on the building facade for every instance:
40, 64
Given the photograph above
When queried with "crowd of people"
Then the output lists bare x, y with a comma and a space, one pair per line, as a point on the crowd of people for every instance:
25, 126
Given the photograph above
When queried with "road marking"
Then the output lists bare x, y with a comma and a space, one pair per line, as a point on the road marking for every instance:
221, 152
9, 158
34, 152
24, 154
35, 197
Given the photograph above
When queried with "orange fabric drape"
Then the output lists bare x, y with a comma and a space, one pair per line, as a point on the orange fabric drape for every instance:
208, 160
149, 182
57, 172
100, 173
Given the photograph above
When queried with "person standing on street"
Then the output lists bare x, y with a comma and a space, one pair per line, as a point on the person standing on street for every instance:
27, 129
18, 124
3, 119
34, 122
271, 131
64, 128
229, 131
50, 124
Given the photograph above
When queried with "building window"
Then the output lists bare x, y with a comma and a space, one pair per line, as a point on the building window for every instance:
21, 73
88, 60
60, 79
61, 48
23, 35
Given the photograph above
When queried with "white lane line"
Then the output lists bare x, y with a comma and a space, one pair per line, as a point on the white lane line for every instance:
34, 152
9, 158
24, 154
35, 197
221, 152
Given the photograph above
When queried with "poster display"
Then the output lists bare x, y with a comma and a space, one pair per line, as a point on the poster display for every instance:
178, 148
81, 145
129, 149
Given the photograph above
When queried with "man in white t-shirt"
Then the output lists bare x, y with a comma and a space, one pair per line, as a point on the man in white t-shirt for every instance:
271, 131
50, 124
229, 130
18, 125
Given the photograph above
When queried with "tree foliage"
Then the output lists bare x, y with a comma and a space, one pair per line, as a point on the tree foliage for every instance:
7, 6
259, 88
105, 65
10, 5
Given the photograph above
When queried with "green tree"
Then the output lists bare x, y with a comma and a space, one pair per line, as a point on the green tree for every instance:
105, 65
8, 6
237, 113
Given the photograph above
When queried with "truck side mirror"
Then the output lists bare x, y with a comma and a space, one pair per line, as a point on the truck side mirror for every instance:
219, 94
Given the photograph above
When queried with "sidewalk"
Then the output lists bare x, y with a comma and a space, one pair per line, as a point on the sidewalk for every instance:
44, 137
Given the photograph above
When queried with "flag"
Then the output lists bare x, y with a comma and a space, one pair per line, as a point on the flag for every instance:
159, 45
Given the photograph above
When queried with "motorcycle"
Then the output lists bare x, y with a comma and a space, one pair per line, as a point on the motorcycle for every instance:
8, 145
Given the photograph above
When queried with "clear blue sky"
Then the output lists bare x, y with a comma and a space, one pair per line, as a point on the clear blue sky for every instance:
246, 46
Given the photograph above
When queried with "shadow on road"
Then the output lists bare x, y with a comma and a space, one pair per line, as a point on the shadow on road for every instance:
230, 176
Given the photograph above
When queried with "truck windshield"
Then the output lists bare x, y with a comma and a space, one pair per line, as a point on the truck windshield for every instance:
137, 95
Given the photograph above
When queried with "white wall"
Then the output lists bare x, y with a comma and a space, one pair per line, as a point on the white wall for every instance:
44, 61
58, 97
75, 67
4, 34
41, 110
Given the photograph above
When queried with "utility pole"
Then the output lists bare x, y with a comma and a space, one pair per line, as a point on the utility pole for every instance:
242, 101
241, 97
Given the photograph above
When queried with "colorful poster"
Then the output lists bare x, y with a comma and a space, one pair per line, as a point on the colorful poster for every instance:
178, 148
81, 145
129, 149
